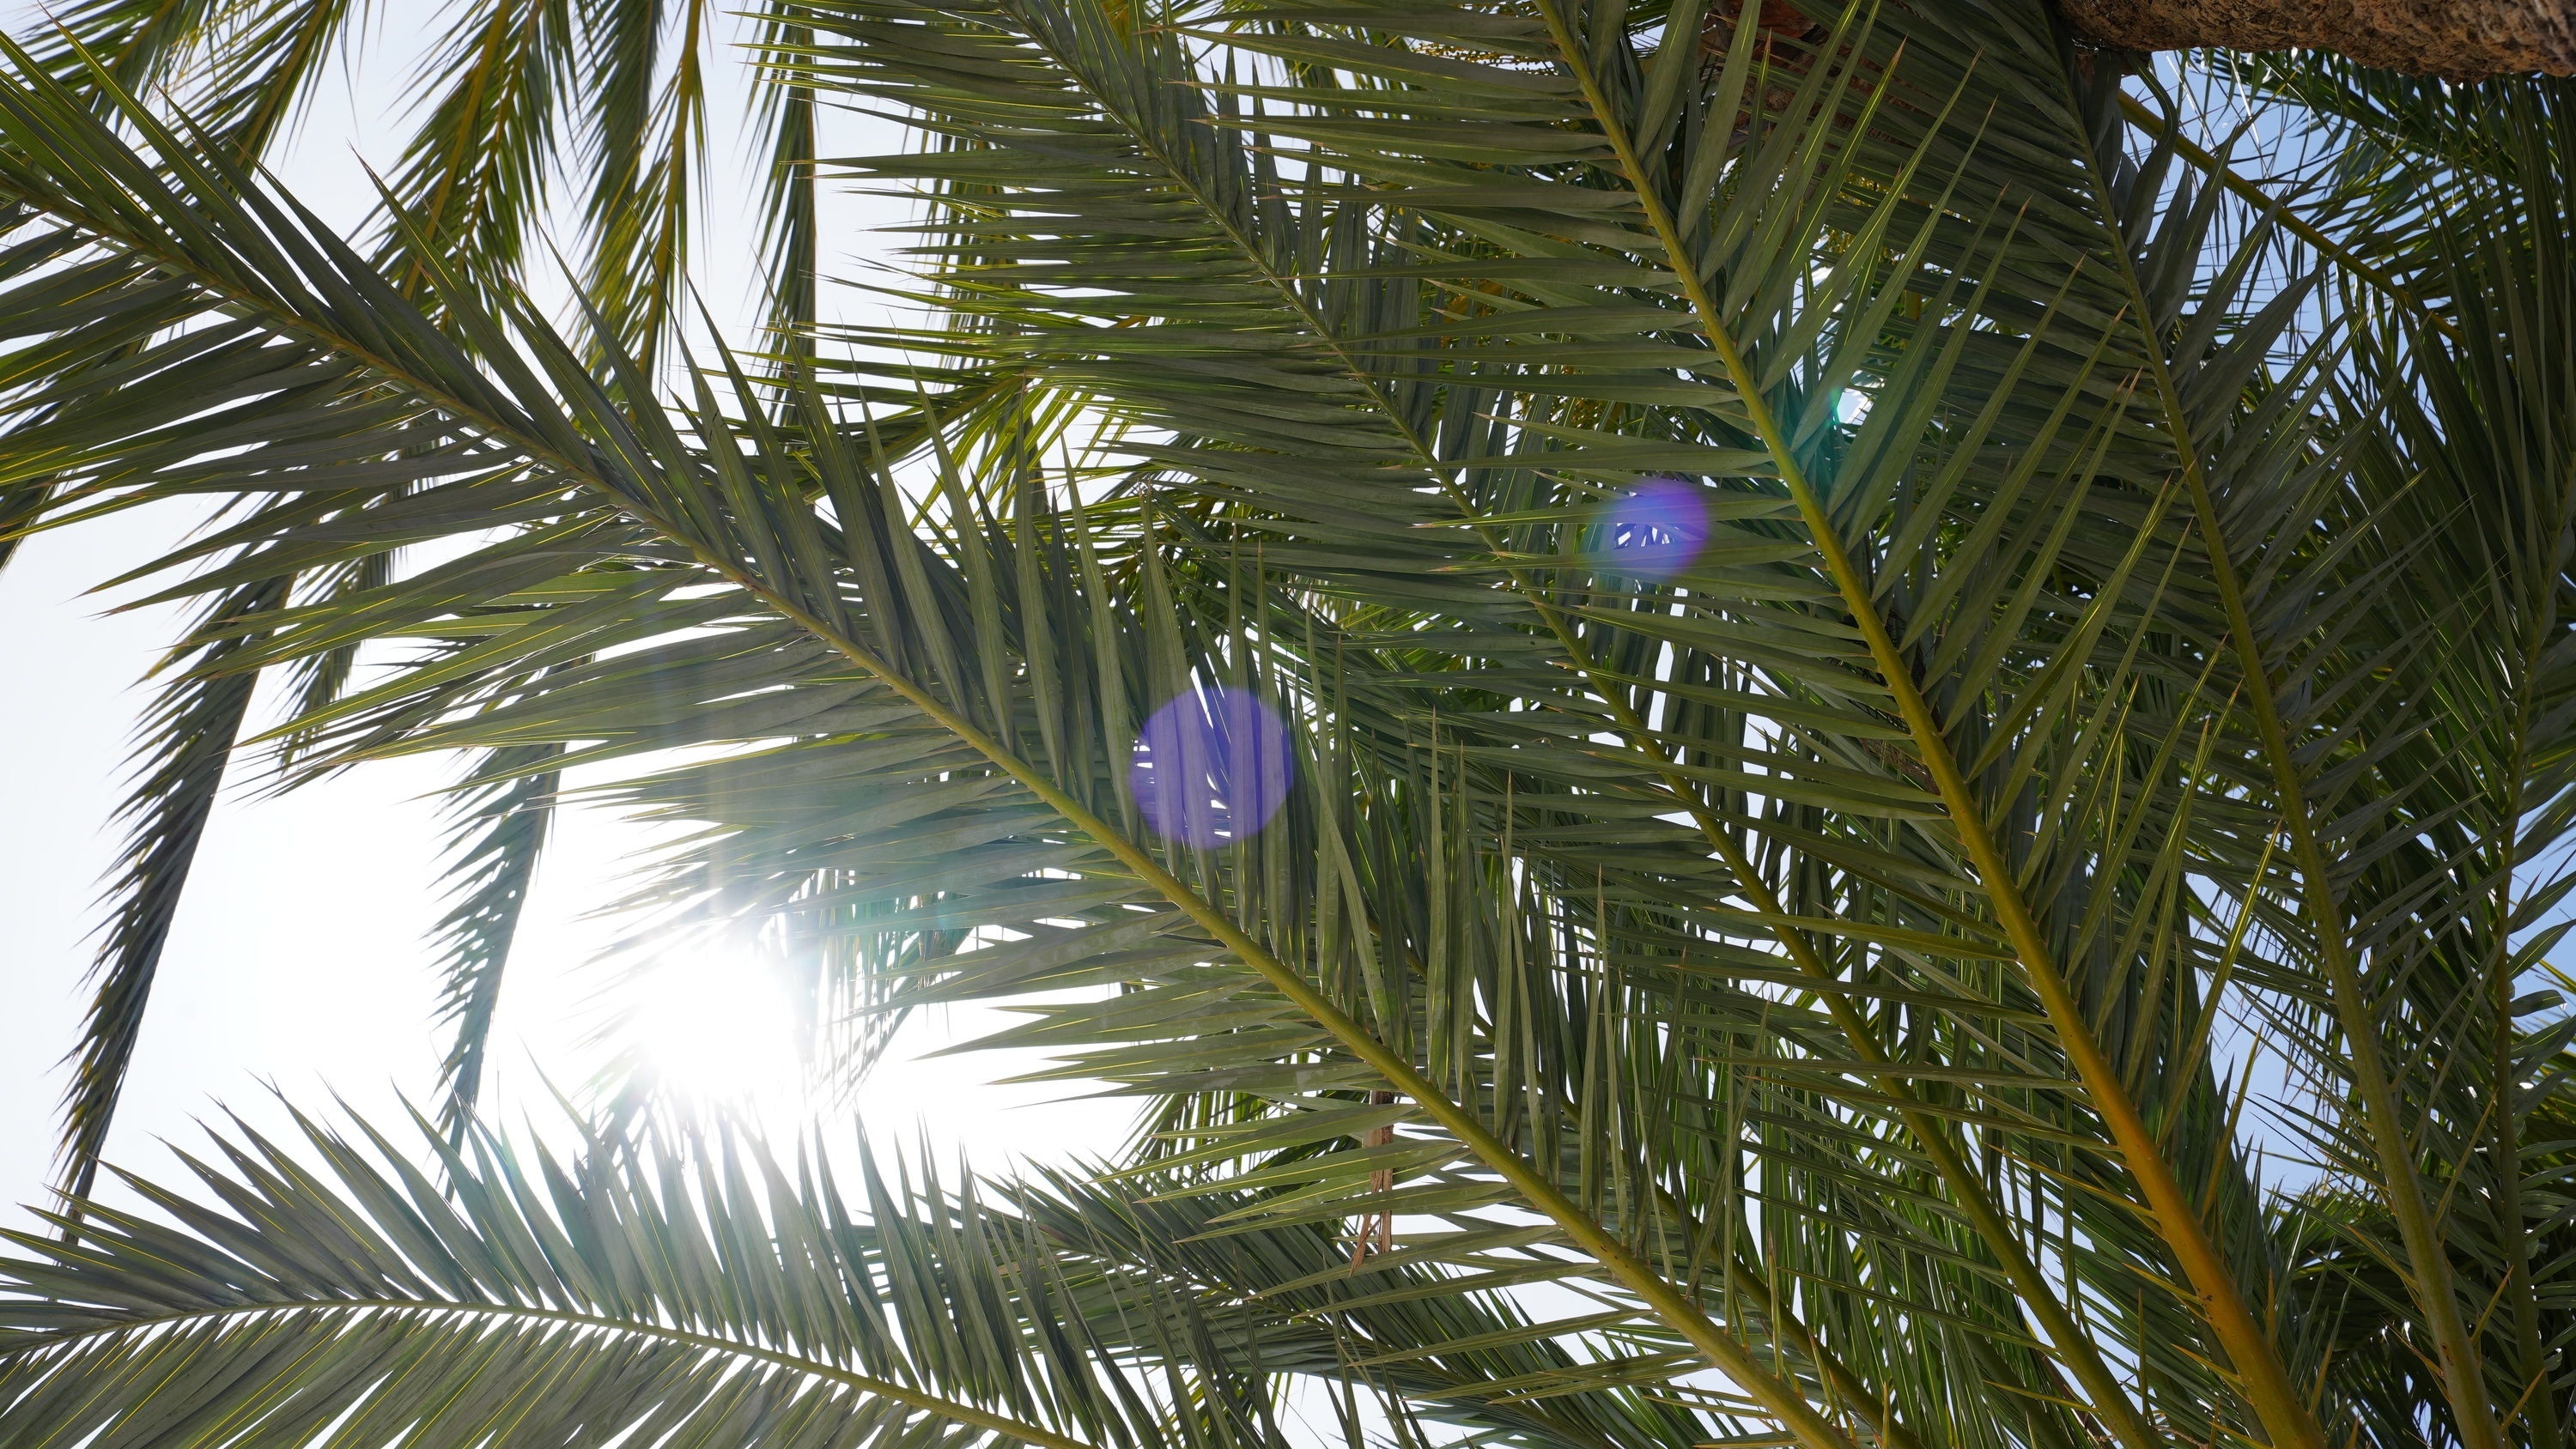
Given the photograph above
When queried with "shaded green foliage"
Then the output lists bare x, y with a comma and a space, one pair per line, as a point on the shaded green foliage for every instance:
2104, 722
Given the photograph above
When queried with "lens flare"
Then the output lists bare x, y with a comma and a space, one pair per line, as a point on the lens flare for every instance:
1656, 531
1211, 767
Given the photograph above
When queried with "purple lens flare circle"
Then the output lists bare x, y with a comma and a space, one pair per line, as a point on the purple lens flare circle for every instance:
1211, 767
1656, 531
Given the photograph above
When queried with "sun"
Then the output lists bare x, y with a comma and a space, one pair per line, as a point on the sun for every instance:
717, 1026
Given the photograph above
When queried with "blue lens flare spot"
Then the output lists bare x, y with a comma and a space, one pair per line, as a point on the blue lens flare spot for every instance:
1654, 532
1211, 768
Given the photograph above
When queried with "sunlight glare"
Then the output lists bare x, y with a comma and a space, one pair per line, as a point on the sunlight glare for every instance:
718, 1027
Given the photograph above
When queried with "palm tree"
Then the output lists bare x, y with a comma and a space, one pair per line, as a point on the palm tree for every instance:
1829, 728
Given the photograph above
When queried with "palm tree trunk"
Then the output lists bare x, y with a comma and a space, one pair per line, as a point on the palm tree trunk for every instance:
2461, 40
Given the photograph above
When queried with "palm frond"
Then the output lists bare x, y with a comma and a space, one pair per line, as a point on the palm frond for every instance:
475, 175
1739, 663
506, 810
697, 1288
188, 740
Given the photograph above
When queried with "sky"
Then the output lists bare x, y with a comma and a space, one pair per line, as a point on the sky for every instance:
299, 962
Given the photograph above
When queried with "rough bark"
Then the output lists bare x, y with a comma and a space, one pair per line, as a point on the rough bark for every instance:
2460, 40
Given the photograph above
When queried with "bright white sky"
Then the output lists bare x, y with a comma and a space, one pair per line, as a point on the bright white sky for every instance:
298, 957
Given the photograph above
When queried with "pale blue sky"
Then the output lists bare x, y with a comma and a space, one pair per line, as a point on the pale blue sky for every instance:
298, 957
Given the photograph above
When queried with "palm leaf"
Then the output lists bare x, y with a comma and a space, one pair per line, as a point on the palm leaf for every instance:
694, 1288
1827, 944
736, 520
